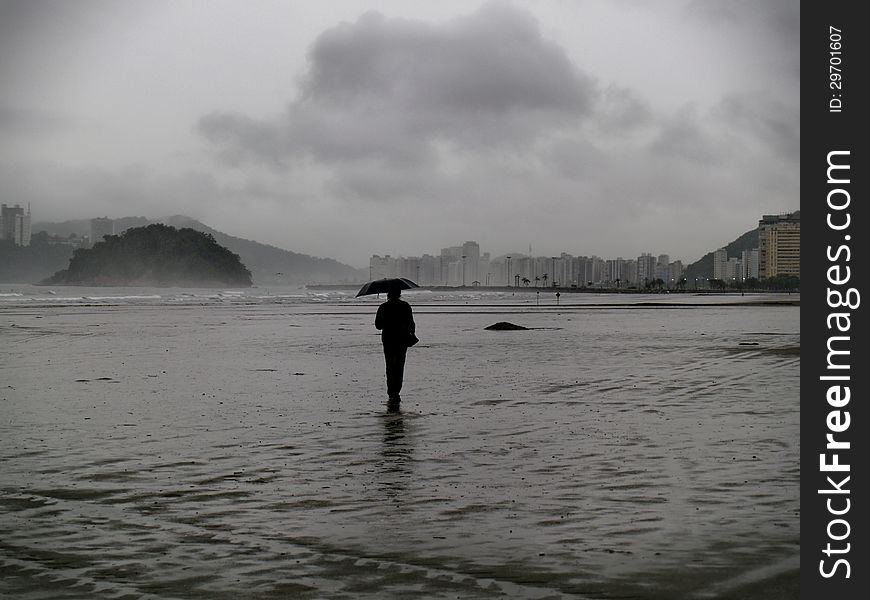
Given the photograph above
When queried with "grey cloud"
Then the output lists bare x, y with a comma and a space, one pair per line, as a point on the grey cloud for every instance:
387, 89
68, 192
576, 159
771, 121
779, 16
687, 138
622, 111
240, 138
372, 181
28, 121
494, 60
768, 29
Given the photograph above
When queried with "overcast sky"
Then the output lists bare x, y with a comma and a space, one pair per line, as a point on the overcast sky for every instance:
356, 127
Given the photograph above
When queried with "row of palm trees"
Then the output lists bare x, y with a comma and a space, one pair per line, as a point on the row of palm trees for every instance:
648, 284
526, 281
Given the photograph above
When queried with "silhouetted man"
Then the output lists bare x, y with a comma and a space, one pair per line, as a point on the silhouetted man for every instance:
396, 322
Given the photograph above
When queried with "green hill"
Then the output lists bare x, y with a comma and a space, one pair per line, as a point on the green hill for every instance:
703, 268
158, 255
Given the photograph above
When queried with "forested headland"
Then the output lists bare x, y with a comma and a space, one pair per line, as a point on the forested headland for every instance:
155, 255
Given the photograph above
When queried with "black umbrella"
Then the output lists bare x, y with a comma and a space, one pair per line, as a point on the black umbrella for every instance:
382, 286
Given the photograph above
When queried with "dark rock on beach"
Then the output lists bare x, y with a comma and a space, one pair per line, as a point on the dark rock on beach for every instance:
505, 326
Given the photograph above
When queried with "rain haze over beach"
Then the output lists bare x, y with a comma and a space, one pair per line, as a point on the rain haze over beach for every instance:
592, 127
195, 438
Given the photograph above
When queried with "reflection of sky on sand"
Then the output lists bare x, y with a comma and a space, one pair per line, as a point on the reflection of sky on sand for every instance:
246, 450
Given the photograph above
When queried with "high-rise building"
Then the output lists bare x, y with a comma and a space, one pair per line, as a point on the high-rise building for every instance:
101, 227
675, 273
720, 264
646, 268
449, 256
471, 262
662, 263
381, 267
616, 271
779, 245
15, 224
630, 271
733, 269
750, 263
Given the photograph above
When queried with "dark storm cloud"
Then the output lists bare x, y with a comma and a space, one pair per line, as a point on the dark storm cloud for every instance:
687, 137
388, 89
779, 16
771, 121
769, 28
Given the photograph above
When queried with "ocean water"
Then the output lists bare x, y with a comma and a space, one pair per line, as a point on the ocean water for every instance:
173, 443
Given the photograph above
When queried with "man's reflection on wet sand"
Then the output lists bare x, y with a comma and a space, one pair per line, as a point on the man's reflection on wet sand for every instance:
394, 468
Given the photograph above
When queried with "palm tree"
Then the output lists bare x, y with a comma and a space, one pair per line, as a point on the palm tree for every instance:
544, 277
537, 279
526, 281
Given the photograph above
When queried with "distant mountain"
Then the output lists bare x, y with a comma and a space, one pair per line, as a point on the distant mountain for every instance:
268, 264
703, 268
155, 255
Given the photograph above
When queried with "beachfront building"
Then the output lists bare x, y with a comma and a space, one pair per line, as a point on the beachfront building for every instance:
749, 259
646, 268
630, 271
100, 228
733, 270
419, 269
675, 273
720, 264
779, 245
484, 270
662, 263
15, 224
428, 269
470, 262
466, 265
616, 272
381, 267
448, 265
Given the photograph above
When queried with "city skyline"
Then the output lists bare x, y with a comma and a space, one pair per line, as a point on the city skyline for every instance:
354, 127
105, 225
465, 266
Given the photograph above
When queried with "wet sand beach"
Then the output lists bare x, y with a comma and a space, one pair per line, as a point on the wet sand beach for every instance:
152, 448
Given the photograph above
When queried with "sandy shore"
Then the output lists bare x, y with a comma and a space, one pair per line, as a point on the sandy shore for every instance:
245, 452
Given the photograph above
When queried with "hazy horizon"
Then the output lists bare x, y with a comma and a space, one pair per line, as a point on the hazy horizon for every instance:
364, 264
386, 127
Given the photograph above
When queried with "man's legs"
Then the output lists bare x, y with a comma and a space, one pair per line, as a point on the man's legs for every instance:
394, 356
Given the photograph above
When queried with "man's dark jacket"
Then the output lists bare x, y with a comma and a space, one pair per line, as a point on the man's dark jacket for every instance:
396, 322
